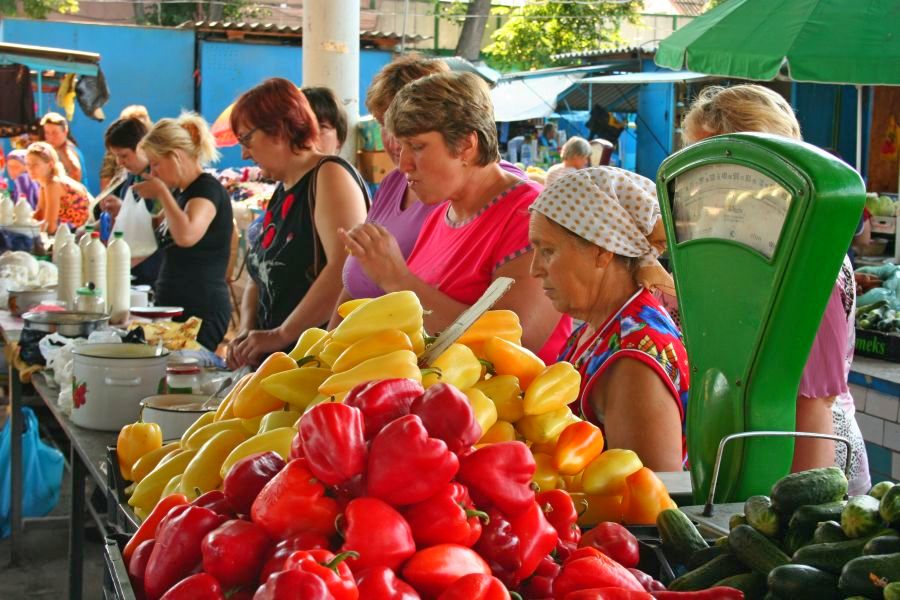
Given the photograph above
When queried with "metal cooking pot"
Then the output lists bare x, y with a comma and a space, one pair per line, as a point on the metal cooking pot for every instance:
23, 300
67, 322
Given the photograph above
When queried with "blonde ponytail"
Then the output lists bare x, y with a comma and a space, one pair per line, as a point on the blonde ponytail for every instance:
188, 133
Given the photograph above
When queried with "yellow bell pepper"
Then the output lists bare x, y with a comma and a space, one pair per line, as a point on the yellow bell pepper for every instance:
202, 421
397, 364
572, 483
544, 428
252, 400
508, 358
319, 399
593, 509
484, 409
331, 352
606, 474
172, 486
558, 385
226, 407
548, 447
277, 419
502, 431
545, 474
205, 433
297, 387
418, 342
306, 341
141, 514
135, 441
578, 445
504, 392
457, 366
314, 351
494, 323
202, 473
350, 305
148, 492
277, 440
371, 346
148, 462
397, 310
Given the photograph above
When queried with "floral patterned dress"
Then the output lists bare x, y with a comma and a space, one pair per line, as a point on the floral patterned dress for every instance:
642, 330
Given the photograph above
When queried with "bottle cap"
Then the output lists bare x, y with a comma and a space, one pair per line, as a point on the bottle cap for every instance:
88, 227
119, 235
95, 234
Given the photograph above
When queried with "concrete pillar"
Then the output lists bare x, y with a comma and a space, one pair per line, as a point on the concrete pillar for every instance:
331, 56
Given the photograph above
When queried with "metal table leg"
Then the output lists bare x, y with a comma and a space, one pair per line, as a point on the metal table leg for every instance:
16, 428
76, 526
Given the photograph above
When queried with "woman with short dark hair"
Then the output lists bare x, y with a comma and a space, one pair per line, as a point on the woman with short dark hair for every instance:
331, 116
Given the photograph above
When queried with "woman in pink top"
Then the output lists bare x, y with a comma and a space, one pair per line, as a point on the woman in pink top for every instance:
479, 231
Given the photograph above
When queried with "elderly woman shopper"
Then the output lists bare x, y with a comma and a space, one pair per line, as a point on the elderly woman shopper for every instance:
296, 262
444, 124
55, 131
62, 200
196, 234
596, 235
824, 403
576, 154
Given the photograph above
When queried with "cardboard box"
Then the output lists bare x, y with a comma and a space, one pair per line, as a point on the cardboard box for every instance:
876, 344
369, 132
374, 165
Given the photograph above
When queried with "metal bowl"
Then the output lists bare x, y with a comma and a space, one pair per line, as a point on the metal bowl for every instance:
67, 322
23, 300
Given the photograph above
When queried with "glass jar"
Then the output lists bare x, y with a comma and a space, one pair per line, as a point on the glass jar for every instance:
89, 300
183, 378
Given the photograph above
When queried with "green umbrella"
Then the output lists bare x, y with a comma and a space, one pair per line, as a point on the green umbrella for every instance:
823, 41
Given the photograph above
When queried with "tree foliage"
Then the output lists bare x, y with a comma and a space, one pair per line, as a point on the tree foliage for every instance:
173, 14
38, 9
537, 30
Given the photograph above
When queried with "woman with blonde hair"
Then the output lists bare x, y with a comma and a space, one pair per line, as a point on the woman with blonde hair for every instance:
196, 234
576, 154
61, 199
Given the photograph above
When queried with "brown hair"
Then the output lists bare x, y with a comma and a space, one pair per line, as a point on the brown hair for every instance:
453, 104
720, 110
48, 154
328, 110
391, 79
279, 109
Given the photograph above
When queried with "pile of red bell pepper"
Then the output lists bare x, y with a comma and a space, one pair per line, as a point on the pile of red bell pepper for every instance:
384, 498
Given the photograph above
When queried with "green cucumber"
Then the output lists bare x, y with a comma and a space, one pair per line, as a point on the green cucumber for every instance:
701, 557
679, 535
801, 582
808, 516
705, 576
859, 575
860, 517
761, 516
736, 519
755, 550
795, 539
892, 591
882, 544
831, 556
816, 486
880, 489
889, 509
752, 584
829, 531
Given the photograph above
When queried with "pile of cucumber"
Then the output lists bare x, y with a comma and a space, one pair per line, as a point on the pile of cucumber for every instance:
803, 541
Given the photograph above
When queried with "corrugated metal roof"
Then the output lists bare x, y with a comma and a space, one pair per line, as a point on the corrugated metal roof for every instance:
610, 54
615, 97
690, 8
272, 29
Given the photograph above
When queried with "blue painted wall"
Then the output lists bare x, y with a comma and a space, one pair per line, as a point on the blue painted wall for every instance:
654, 127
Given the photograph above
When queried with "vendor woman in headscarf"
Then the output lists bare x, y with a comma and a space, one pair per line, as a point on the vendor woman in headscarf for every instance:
597, 234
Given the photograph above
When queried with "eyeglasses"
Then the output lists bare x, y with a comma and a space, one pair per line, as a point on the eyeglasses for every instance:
244, 140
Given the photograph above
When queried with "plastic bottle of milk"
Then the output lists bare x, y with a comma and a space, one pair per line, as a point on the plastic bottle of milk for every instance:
96, 264
69, 272
59, 240
118, 278
82, 245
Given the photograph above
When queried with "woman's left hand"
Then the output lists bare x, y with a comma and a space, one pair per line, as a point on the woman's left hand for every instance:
378, 253
152, 188
258, 344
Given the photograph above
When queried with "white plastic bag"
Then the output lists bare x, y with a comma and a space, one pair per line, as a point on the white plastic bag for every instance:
136, 223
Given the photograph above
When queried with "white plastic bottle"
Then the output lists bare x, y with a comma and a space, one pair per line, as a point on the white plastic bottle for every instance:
59, 240
82, 244
96, 264
118, 278
69, 272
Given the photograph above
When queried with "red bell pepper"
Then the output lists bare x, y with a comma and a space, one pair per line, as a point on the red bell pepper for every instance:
537, 538
540, 585
589, 568
177, 550
235, 552
242, 594
293, 584
614, 541
137, 567
147, 530
201, 586
447, 415
383, 401
329, 568
560, 511
379, 535
296, 447
433, 570
302, 541
334, 442
248, 476
476, 586
714, 593
499, 475
381, 583
650, 584
564, 550
294, 502
353, 488
500, 547
216, 501
608, 593
448, 517
406, 466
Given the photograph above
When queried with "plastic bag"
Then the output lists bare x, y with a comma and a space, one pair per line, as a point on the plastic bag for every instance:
92, 94
42, 471
136, 224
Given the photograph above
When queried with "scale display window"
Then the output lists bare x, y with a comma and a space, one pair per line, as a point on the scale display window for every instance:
730, 202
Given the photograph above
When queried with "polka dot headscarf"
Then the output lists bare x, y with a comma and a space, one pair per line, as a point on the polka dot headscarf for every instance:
616, 210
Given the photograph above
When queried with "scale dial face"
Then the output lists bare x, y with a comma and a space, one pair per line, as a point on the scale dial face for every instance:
730, 202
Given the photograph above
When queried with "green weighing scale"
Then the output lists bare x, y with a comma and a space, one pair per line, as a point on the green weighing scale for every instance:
757, 229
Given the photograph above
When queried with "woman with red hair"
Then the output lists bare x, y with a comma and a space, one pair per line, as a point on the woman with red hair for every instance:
296, 262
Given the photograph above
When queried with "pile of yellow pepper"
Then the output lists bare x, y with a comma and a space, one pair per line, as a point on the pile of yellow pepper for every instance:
514, 395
